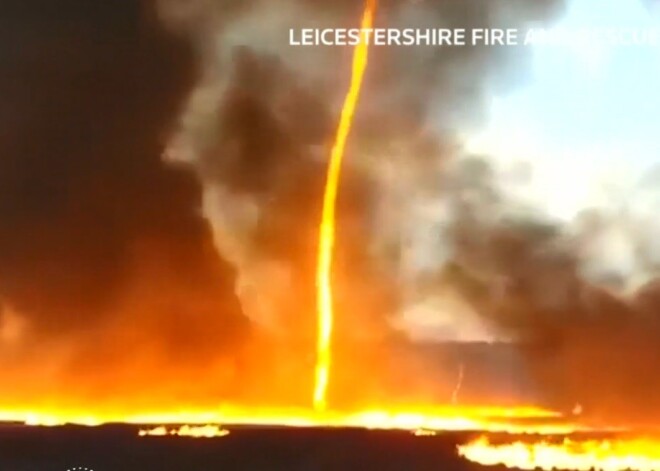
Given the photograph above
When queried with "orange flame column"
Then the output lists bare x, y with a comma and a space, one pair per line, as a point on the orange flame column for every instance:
327, 228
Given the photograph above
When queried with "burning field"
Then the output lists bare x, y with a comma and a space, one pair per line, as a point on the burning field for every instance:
209, 233
584, 454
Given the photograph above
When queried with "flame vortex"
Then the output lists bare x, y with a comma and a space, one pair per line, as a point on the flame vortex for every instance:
324, 296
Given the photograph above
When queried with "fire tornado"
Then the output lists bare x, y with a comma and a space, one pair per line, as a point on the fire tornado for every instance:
327, 227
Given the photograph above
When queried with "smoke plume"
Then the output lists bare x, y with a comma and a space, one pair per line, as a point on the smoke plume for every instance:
257, 130
107, 269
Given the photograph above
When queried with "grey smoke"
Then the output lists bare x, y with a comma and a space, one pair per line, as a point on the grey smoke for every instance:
263, 113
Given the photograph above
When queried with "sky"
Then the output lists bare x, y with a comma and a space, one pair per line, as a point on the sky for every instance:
587, 120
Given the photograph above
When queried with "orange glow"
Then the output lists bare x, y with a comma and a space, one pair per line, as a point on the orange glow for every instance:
421, 432
432, 418
200, 431
327, 227
639, 454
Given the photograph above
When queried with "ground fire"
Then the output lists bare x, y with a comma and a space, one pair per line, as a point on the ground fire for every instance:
617, 454
199, 431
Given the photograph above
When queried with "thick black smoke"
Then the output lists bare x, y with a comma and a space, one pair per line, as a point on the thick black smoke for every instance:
103, 250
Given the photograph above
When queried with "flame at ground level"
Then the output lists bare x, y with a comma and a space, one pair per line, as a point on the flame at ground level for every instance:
619, 454
195, 431
450, 418
639, 454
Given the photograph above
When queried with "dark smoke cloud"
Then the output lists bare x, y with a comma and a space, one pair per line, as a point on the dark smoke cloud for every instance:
102, 248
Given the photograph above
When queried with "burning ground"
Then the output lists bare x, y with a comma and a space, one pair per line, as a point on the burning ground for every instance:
161, 181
